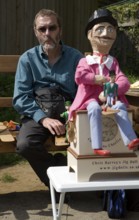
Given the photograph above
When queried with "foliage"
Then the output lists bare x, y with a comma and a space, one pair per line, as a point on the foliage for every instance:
126, 47
7, 114
6, 84
126, 12
6, 89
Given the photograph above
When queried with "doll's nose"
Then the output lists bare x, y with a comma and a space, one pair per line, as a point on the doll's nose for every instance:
105, 32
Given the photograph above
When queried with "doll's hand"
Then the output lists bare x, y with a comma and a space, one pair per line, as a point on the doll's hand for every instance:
100, 79
102, 98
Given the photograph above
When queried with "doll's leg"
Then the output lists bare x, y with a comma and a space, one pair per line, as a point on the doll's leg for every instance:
125, 127
109, 100
95, 120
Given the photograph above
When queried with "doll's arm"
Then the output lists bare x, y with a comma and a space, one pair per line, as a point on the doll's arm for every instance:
121, 80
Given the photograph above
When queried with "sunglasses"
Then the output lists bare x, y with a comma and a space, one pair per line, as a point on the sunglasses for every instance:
50, 28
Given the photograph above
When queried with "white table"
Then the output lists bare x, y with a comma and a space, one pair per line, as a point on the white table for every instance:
64, 181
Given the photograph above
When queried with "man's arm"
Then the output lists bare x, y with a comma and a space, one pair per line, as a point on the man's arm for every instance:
23, 98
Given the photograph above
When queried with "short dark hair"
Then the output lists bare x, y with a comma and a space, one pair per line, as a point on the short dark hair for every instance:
47, 12
112, 73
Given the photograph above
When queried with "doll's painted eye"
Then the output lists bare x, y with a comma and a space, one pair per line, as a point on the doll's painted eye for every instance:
110, 29
100, 30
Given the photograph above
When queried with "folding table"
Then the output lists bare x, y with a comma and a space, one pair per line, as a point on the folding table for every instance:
64, 181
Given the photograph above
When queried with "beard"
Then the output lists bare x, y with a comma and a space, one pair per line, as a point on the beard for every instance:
50, 44
46, 46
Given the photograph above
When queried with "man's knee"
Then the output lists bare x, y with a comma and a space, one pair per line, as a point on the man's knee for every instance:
22, 147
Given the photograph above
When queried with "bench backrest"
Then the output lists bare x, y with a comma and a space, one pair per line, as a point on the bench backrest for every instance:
8, 65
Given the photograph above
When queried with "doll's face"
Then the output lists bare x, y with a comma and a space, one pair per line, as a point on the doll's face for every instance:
112, 79
102, 36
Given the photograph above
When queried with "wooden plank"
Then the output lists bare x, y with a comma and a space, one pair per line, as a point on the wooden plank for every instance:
8, 63
112, 155
2, 128
56, 144
133, 92
7, 147
5, 102
52, 144
5, 135
110, 111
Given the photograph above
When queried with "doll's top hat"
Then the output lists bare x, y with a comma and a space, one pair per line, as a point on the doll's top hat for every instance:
98, 16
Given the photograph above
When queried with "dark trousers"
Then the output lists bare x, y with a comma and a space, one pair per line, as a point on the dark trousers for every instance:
30, 144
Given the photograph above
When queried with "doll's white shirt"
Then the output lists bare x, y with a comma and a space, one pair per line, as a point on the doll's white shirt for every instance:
95, 59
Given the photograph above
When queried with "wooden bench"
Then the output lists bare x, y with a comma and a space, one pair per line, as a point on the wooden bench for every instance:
8, 64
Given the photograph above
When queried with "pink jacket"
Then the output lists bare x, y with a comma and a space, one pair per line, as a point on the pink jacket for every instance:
85, 79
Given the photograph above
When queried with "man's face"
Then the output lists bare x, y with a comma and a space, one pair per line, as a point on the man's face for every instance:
102, 35
47, 32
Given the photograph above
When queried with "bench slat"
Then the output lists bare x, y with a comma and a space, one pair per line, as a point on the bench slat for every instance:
8, 63
5, 102
9, 147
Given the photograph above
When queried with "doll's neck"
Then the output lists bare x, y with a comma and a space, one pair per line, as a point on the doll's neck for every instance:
99, 54
101, 48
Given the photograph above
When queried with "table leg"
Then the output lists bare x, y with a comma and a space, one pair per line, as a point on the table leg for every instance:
53, 200
61, 201
56, 213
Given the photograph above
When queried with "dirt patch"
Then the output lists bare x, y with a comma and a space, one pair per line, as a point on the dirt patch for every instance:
26, 179
28, 199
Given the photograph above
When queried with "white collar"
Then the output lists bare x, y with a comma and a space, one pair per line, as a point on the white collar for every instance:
96, 60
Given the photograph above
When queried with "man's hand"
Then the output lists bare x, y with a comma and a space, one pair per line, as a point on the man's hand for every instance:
53, 125
100, 79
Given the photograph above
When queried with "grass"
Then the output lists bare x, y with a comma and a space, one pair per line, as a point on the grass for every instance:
10, 159
7, 178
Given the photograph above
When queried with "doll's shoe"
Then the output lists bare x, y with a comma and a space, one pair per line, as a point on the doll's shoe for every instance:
133, 144
102, 152
105, 109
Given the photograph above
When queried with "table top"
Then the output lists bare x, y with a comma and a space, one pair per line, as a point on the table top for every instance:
65, 181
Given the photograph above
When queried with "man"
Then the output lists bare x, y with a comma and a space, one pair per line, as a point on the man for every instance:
47, 65
91, 74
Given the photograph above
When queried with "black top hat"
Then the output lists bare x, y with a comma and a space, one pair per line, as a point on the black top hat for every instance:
98, 16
